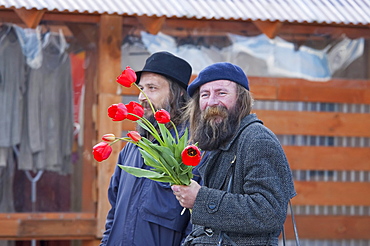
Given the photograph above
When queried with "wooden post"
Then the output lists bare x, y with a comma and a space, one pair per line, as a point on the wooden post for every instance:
109, 67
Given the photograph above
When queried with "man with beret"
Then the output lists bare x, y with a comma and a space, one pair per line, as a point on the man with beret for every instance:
145, 212
247, 179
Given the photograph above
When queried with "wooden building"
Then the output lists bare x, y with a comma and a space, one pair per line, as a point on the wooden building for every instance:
333, 183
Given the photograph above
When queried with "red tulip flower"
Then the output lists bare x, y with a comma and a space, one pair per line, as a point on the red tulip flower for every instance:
102, 151
127, 77
166, 155
134, 108
162, 116
117, 112
191, 155
110, 137
134, 135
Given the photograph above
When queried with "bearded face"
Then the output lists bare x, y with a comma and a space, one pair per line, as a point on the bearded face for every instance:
215, 126
149, 115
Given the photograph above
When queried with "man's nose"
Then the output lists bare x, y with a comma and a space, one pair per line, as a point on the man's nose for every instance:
213, 100
141, 97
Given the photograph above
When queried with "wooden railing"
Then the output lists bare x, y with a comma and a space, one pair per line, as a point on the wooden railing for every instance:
47, 226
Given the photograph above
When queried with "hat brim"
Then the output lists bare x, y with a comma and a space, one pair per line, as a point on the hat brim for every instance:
138, 75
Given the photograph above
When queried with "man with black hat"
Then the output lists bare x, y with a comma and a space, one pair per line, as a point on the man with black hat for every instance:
247, 179
145, 212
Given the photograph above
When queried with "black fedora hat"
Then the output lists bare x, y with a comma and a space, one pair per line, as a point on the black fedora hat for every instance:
168, 65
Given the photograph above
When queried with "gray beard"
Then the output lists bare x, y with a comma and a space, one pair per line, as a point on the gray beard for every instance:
211, 134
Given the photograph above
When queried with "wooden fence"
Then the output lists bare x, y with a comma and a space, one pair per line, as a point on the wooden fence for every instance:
326, 126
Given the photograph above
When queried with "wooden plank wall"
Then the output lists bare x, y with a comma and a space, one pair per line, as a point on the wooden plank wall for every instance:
314, 192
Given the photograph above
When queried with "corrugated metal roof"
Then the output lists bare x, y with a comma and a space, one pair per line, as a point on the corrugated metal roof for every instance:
356, 12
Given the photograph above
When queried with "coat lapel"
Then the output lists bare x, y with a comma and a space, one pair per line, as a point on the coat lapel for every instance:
212, 165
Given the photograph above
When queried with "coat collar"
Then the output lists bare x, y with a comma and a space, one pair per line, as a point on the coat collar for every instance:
246, 121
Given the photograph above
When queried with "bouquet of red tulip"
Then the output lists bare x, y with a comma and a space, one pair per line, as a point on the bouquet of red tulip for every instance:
170, 158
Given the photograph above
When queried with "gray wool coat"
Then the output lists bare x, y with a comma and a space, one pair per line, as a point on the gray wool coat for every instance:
254, 211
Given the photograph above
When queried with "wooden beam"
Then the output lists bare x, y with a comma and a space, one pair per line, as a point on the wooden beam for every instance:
8, 15
44, 226
31, 17
270, 29
95, 242
300, 90
328, 158
327, 31
152, 24
185, 27
316, 123
72, 17
329, 227
332, 193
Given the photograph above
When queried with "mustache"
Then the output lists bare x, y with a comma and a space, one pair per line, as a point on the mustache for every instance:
145, 104
213, 111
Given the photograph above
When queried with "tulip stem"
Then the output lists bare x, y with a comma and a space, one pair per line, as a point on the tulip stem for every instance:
153, 110
177, 133
184, 209
147, 98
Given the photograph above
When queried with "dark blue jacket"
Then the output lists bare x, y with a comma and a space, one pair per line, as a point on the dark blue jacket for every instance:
144, 212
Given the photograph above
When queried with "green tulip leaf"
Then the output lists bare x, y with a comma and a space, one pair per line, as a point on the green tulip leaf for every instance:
143, 173
166, 136
184, 179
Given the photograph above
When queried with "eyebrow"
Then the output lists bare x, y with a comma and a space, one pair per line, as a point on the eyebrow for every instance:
217, 90
148, 84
